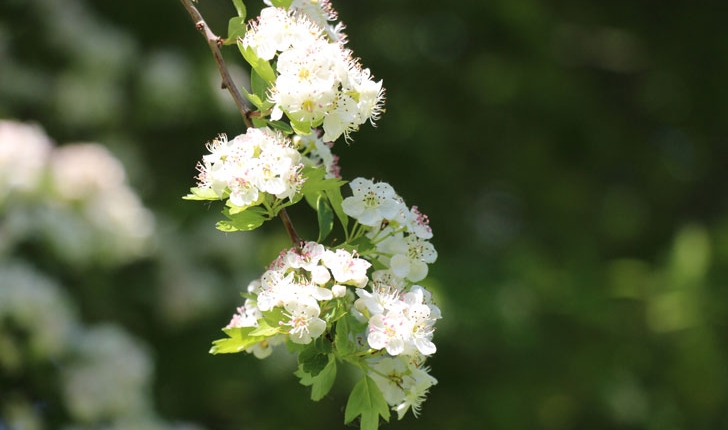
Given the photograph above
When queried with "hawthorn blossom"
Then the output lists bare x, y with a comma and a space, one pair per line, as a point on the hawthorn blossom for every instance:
259, 161
319, 154
303, 320
403, 384
346, 267
418, 224
417, 384
400, 322
411, 257
388, 331
322, 13
318, 81
371, 203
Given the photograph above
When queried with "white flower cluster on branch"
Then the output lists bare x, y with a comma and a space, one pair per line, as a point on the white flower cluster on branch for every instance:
319, 82
357, 299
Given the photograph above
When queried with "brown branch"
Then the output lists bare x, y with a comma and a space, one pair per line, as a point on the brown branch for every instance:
214, 42
295, 238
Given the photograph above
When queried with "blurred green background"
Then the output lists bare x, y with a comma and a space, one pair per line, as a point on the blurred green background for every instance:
571, 157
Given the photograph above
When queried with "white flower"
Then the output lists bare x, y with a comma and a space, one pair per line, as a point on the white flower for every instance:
388, 331
259, 161
411, 258
371, 203
338, 290
346, 268
319, 154
277, 30
318, 82
417, 384
24, 151
382, 298
402, 323
389, 375
402, 382
307, 257
303, 320
246, 316
321, 12
418, 224
275, 288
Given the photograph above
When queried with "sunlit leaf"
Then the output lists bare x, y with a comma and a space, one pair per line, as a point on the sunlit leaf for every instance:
262, 67
240, 8
236, 29
238, 339
201, 194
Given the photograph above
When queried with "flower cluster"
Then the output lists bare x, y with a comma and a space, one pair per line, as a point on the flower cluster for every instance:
403, 382
401, 234
75, 197
257, 162
296, 287
305, 291
359, 298
318, 81
302, 293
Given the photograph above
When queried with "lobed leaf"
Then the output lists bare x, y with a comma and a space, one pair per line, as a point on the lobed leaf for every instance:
239, 338
366, 400
312, 361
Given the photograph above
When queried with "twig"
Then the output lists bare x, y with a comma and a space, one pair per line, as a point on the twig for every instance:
214, 42
289, 228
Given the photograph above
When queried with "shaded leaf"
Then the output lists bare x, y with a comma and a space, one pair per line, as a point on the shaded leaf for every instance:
367, 401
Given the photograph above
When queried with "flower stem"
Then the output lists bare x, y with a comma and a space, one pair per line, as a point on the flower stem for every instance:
295, 238
214, 42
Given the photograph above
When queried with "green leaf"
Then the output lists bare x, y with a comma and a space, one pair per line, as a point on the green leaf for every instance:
366, 400
236, 29
282, 3
259, 122
238, 339
325, 218
254, 99
282, 126
344, 345
312, 360
314, 176
335, 199
361, 244
324, 381
320, 384
273, 317
262, 67
240, 7
201, 194
264, 329
258, 85
302, 128
249, 219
